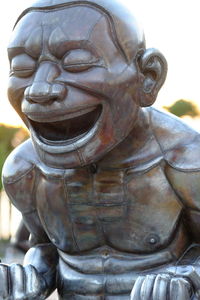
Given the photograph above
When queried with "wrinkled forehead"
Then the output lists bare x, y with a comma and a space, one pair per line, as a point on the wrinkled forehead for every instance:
73, 20
76, 23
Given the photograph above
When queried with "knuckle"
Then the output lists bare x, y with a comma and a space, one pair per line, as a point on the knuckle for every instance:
151, 276
4, 280
15, 265
16, 269
3, 267
181, 281
33, 281
164, 276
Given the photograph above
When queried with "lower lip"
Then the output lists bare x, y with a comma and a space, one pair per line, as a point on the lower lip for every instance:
56, 147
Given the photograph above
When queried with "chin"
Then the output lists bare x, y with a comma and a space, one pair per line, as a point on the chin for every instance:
81, 154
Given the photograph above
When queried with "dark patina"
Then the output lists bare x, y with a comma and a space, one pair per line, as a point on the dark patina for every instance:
108, 186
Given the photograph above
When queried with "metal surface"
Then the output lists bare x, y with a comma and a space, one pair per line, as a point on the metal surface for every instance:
108, 188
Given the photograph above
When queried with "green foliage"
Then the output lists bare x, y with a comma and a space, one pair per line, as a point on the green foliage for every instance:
182, 108
9, 138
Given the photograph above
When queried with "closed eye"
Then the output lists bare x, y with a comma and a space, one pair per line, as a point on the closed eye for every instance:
22, 72
73, 68
80, 60
22, 66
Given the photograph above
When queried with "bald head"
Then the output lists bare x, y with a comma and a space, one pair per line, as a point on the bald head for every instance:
125, 30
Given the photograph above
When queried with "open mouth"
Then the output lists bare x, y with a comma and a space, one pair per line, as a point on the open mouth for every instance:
67, 131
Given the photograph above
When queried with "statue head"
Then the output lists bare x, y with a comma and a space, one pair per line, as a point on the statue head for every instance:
80, 73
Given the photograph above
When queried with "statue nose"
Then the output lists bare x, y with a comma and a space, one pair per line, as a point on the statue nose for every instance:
43, 89
42, 92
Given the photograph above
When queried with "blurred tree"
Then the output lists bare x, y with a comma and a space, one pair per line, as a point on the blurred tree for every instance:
10, 137
182, 108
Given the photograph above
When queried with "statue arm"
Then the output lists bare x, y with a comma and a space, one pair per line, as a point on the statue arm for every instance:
36, 279
44, 259
186, 184
42, 256
182, 280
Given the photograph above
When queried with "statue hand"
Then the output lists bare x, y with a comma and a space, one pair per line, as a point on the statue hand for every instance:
20, 283
162, 286
191, 272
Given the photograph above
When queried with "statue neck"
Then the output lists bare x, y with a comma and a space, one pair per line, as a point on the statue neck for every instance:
139, 144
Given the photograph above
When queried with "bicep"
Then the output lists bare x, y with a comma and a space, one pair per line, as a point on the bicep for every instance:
21, 193
34, 226
186, 185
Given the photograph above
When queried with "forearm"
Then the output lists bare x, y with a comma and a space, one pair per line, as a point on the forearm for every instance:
33, 281
44, 259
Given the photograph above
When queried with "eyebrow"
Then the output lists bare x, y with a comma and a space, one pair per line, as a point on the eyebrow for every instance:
68, 45
14, 51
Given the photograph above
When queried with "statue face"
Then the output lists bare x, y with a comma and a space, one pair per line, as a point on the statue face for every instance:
71, 84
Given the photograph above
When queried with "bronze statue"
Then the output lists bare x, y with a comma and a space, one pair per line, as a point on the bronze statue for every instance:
108, 187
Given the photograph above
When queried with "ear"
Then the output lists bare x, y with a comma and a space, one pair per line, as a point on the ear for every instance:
153, 71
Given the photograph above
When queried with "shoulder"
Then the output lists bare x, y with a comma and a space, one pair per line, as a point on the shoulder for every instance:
180, 145
20, 162
179, 142
19, 175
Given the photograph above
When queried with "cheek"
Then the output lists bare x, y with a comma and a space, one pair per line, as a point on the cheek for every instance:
121, 84
124, 101
104, 81
124, 91
93, 79
16, 87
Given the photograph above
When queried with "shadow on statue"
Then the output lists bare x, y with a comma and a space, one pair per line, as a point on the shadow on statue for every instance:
108, 186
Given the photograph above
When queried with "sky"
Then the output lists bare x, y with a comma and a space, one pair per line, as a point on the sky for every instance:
172, 26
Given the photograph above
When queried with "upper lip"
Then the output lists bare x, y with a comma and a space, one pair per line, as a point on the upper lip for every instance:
58, 115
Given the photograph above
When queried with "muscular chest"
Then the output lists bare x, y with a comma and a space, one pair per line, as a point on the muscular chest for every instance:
126, 210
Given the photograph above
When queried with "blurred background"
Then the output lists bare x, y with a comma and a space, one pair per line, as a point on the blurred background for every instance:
171, 26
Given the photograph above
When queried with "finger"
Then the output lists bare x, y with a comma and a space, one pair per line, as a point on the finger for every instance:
180, 289
160, 289
147, 287
17, 281
33, 281
171, 270
4, 281
135, 294
191, 273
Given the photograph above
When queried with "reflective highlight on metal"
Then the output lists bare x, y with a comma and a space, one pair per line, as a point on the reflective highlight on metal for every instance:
107, 185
